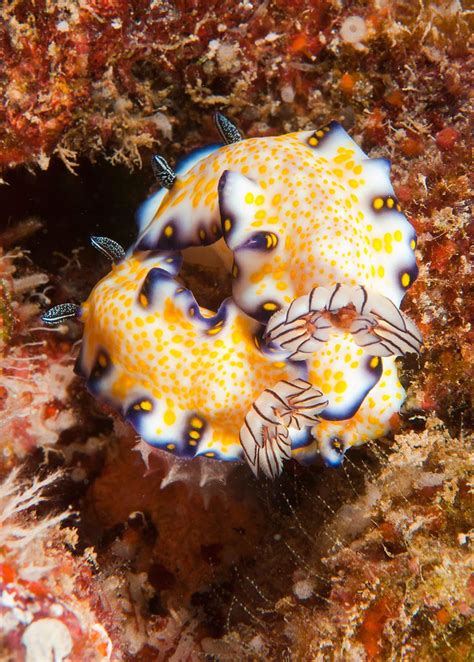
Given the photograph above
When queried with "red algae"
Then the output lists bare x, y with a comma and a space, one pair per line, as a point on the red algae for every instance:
447, 138
371, 630
412, 147
347, 83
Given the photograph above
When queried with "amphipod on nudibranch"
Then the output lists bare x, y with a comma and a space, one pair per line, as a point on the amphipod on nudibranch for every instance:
186, 378
301, 361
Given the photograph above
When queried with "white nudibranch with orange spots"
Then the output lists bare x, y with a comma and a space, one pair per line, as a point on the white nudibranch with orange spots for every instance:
300, 362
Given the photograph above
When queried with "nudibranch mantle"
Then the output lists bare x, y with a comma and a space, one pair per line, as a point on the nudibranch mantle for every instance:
300, 362
185, 377
299, 210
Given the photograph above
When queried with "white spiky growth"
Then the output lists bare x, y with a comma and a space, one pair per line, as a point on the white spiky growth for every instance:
202, 475
15, 499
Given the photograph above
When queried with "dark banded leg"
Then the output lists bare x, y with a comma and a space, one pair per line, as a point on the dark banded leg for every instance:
164, 173
108, 247
227, 130
60, 313
265, 435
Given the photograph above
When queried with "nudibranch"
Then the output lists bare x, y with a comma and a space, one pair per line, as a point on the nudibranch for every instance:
183, 376
300, 362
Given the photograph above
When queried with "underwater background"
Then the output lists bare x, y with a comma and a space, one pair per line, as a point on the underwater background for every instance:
107, 553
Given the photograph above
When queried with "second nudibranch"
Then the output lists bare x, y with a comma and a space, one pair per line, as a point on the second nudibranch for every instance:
185, 377
300, 210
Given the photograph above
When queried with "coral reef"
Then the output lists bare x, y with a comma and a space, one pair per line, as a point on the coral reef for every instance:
46, 594
147, 72
369, 561
392, 563
34, 375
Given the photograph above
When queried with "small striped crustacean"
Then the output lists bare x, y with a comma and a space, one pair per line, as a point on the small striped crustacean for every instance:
300, 361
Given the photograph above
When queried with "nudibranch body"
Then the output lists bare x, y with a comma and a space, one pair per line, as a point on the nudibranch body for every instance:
301, 359
185, 377
298, 210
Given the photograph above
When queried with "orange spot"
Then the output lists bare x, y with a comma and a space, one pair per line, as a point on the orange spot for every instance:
388, 531
395, 98
50, 411
395, 422
7, 573
347, 83
102, 648
412, 147
442, 616
169, 417
299, 43
447, 138
371, 630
